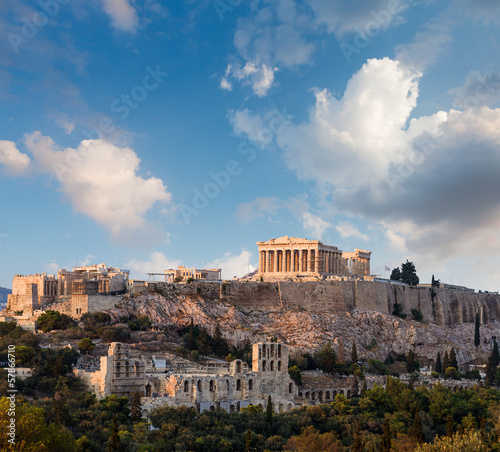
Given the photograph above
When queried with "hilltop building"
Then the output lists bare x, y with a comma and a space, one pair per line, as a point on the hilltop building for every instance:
182, 274
295, 257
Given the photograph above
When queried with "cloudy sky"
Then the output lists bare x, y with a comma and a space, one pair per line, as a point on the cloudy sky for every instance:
148, 134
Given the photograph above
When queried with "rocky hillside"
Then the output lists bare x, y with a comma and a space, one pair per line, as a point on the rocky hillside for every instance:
376, 334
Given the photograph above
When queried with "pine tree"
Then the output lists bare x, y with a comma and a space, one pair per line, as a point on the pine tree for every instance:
114, 442
385, 443
439, 365
269, 411
220, 346
135, 409
453, 359
446, 362
354, 353
477, 337
450, 426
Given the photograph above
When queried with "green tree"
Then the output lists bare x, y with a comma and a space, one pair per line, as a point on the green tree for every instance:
477, 337
385, 441
416, 431
114, 443
398, 311
439, 365
86, 345
326, 359
248, 441
191, 345
396, 274
295, 374
409, 274
354, 353
269, 410
54, 320
220, 346
446, 361
364, 389
411, 363
204, 343
357, 444
135, 409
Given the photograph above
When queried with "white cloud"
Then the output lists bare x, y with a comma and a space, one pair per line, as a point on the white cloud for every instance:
14, 161
314, 225
256, 74
431, 181
259, 207
478, 90
123, 14
233, 265
346, 230
157, 263
341, 17
100, 180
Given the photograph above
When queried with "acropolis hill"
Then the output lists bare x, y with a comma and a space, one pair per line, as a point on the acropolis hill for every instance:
299, 283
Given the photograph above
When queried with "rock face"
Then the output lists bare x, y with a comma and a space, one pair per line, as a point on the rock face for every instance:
310, 314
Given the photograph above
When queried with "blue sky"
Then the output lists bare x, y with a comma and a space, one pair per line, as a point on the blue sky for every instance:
149, 134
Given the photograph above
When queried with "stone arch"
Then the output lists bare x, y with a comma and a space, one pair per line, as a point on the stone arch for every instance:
289, 407
341, 391
313, 396
238, 384
232, 408
320, 396
250, 384
348, 393
264, 365
238, 367
327, 395
127, 368
280, 408
308, 395
137, 368
145, 413
290, 388
272, 350
279, 366
199, 385
227, 385
118, 368
271, 366
186, 386
279, 350
211, 384
264, 350
301, 394
148, 390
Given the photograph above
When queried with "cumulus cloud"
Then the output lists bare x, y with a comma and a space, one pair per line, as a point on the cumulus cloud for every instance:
255, 74
478, 90
314, 225
430, 182
157, 263
233, 265
346, 230
13, 161
100, 180
123, 14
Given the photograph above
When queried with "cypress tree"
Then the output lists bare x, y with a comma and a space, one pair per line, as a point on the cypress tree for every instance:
204, 343
364, 388
248, 441
495, 355
192, 338
477, 337
449, 426
410, 362
220, 346
354, 353
385, 443
355, 387
453, 359
135, 409
357, 445
269, 411
416, 432
446, 362
439, 365
114, 442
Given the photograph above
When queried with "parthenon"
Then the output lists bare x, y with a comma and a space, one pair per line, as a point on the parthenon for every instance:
290, 256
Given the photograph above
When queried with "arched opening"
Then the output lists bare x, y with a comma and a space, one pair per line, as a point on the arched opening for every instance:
250, 384
199, 385
212, 408
126, 369
308, 395
279, 366
290, 388
186, 386
313, 396
271, 366
232, 408
145, 413
118, 368
227, 385
272, 349
264, 365
211, 386
280, 408
238, 367
238, 384
327, 395
279, 350
334, 394
320, 396
264, 350
148, 390
348, 393
301, 395
137, 368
